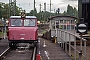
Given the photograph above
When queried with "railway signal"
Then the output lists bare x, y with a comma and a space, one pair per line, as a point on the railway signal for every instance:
82, 28
23, 14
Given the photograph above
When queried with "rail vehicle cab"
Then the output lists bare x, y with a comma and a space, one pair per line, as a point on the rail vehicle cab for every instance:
22, 29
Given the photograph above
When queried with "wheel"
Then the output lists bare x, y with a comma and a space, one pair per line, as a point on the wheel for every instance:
10, 44
35, 44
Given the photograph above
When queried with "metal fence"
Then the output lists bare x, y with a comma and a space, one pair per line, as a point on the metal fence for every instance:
75, 48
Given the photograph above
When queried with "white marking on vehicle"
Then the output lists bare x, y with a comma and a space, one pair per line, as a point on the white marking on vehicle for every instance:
22, 38
22, 34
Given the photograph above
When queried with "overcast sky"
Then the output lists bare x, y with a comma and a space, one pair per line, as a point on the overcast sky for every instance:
28, 4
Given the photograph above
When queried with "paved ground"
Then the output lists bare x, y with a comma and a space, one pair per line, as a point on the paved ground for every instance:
3, 45
52, 51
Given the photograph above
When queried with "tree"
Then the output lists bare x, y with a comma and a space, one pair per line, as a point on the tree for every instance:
5, 11
1, 9
18, 11
64, 13
75, 12
70, 10
31, 12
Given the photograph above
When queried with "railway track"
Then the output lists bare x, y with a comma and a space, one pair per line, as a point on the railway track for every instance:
4, 53
22, 52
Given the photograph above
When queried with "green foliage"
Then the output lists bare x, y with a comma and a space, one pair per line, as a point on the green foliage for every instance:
41, 16
17, 11
64, 13
44, 32
1, 34
31, 13
72, 11
89, 33
4, 10
75, 12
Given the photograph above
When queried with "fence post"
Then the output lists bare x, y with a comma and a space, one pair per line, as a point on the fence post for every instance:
69, 45
65, 42
75, 48
61, 38
80, 55
85, 49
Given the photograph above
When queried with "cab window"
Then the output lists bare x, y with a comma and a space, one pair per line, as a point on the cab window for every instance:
29, 22
16, 22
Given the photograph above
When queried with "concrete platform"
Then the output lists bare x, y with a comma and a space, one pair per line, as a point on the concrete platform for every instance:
51, 51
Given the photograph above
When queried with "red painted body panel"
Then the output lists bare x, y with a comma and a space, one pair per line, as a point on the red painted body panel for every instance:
19, 30
23, 33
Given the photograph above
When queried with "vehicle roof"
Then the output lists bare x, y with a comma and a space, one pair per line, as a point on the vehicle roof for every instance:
20, 17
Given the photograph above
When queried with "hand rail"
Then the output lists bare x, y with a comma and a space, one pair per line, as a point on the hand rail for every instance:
79, 54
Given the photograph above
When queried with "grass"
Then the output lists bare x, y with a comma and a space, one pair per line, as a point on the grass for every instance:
44, 32
72, 56
89, 33
1, 34
1, 24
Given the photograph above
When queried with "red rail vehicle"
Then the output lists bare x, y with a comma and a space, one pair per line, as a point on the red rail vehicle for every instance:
22, 29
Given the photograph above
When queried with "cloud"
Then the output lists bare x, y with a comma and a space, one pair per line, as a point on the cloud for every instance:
73, 0
5, 1
69, 0
62, 4
28, 4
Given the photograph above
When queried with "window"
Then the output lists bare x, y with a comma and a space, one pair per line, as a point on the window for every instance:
61, 21
72, 27
85, 1
16, 22
57, 23
72, 21
29, 22
53, 24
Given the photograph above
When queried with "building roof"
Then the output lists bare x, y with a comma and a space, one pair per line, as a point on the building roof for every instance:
25, 17
61, 17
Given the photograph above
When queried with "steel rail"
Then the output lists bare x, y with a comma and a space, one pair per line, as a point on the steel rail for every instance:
4, 53
34, 54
